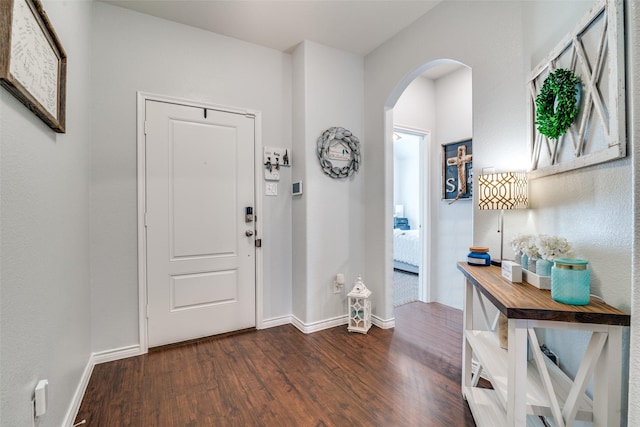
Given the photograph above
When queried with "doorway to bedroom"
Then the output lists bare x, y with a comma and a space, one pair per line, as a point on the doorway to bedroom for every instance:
434, 100
409, 166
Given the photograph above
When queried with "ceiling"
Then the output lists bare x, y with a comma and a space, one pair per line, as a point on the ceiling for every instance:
357, 26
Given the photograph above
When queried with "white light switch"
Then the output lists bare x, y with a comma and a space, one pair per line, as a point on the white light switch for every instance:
271, 189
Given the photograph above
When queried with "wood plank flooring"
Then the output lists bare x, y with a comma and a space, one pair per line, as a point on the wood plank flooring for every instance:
407, 376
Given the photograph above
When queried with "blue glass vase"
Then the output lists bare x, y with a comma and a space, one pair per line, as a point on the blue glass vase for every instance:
570, 281
524, 261
543, 267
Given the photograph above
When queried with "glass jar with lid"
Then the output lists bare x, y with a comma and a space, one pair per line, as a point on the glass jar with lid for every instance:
570, 281
479, 255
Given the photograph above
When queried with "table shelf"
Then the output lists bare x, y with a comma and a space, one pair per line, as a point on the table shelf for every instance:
494, 360
485, 406
519, 396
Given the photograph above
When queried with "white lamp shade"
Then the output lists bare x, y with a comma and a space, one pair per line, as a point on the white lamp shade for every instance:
506, 190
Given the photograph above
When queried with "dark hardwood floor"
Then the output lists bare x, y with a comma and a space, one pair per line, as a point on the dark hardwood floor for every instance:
407, 376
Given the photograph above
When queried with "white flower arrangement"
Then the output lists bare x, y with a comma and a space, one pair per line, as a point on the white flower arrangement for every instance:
541, 246
530, 248
520, 242
552, 247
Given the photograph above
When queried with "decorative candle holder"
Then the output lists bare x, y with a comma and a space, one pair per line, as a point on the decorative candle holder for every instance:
570, 281
479, 255
359, 308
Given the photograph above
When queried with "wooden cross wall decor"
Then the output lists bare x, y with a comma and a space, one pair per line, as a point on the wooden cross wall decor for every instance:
594, 51
460, 161
457, 171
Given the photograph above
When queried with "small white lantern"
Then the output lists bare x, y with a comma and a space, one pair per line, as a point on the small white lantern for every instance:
359, 308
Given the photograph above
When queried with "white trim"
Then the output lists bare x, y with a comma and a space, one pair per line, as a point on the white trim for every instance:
320, 325
382, 323
276, 321
259, 216
142, 97
142, 231
95, 359
425, 272
116, 354
76, 400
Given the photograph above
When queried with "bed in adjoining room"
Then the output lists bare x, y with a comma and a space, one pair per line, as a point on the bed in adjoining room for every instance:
406, 250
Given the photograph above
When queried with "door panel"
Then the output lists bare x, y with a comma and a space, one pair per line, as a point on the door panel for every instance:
203, 189
197, 290
200, 263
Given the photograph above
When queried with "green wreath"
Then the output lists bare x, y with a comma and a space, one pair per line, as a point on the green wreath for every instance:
557, 104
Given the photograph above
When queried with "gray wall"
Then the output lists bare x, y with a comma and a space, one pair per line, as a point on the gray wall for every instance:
45, 316
68, 202
501, 42
328, 217
156, 56
497, 91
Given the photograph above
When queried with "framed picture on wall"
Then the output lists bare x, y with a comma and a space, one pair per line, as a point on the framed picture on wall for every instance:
457, 171
33, 64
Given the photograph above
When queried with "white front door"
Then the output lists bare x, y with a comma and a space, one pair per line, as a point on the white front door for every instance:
200, 251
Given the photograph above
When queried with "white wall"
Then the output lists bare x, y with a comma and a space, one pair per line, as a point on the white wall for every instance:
406, 176
633, 130
328, 219
590, 207
44, 235
452, 223
577, 205
415, 110
135, 52
497, 90
46, 179
445, 107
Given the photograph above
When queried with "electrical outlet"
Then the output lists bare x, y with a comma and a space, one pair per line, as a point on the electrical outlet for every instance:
338, 283
41, 397
336, 287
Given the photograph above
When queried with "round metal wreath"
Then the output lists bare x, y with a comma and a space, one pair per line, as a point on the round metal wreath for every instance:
557, 104
329, 138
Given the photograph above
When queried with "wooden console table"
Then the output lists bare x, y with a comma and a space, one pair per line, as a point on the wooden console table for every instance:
523, 389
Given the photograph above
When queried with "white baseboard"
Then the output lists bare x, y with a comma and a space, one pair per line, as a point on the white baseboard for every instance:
308, 328
72, 412
116, 354
276, 321
95, 359
383, 324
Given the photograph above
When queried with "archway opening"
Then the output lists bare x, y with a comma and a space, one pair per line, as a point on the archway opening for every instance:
433, 103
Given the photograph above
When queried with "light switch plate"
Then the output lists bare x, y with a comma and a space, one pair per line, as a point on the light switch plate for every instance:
271, 189
273, 175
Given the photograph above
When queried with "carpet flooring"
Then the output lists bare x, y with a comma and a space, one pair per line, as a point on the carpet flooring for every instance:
405, 288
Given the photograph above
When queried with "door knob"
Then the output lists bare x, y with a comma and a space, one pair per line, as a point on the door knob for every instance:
249, 233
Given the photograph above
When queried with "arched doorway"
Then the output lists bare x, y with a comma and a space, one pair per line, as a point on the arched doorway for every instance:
422, 103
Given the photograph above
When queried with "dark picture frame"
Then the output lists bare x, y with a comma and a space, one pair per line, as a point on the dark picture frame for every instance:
457, 161
33, 64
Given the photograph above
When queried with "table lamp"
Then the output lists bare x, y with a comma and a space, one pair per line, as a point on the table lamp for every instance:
505, 190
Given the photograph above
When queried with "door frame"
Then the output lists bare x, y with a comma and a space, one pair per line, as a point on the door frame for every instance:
424, 275
142, 98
